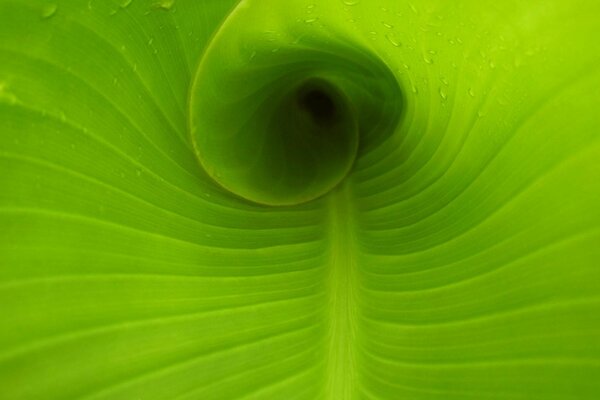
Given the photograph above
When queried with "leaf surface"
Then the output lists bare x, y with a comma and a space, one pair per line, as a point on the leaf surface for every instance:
458, 259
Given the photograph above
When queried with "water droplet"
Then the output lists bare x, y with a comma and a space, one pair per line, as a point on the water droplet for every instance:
443, 94
125, 3
444, 81
428, 60
471, 92
413, 8
310, 6
394, 41
164, 5
406, 66
311, 20
138, 172
351, 2
150, 41
389, 26
492, 65
414, 89
49, 10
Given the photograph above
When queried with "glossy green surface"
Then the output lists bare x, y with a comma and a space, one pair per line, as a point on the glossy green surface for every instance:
452, 250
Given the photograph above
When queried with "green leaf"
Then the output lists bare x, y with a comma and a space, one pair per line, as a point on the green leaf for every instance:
438, 240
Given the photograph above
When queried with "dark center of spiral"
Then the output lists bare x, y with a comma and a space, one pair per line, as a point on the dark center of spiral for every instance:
319, 104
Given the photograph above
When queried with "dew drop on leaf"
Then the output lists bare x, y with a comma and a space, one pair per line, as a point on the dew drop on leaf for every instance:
395, 42
443, 94
164, 5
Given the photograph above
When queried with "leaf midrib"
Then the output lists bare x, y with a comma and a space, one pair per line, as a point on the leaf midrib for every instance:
341, 371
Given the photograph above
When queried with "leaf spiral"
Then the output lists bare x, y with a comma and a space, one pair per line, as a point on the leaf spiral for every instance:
279, 112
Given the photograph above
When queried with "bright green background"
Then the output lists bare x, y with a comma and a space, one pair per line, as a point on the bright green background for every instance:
459, 259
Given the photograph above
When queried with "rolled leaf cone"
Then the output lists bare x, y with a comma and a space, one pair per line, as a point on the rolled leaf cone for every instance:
285, 199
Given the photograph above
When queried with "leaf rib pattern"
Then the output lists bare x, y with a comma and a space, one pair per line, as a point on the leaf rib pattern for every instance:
458, 259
